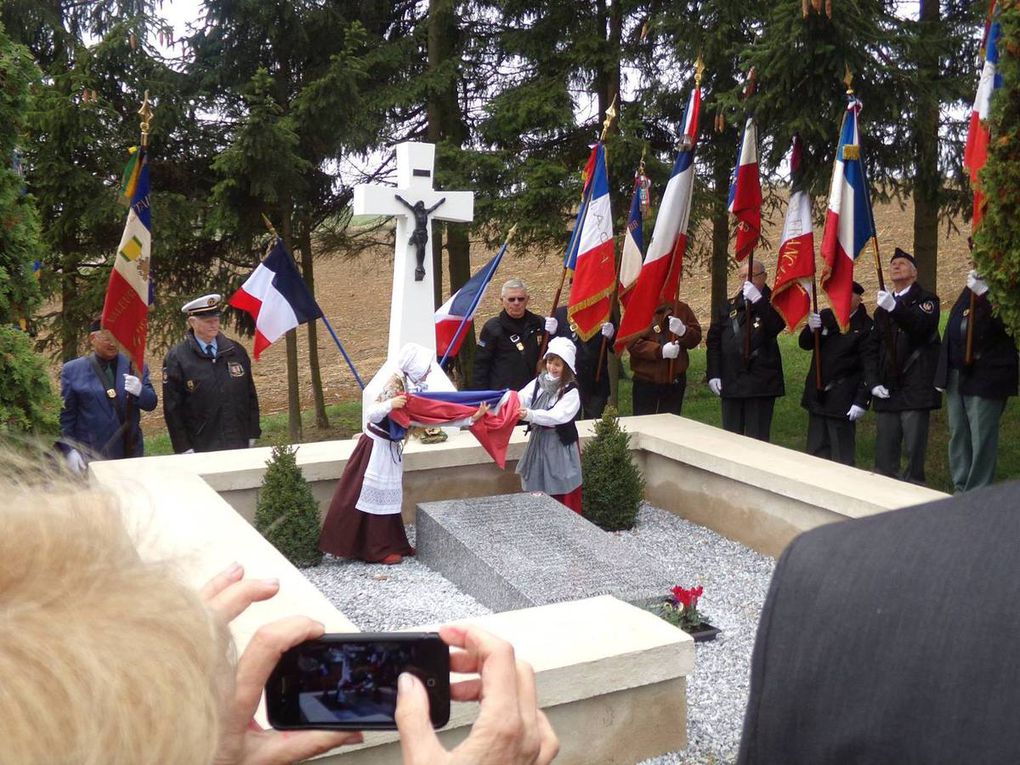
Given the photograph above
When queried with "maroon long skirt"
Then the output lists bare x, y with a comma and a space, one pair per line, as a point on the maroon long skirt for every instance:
349, 533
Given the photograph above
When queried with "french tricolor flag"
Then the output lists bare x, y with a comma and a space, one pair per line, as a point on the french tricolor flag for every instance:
277, 298
849, 224
745, 193
633, 246
453, 319
976, 153
595, 265
660, 273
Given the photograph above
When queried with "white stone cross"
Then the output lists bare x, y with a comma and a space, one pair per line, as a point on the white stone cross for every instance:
412, 309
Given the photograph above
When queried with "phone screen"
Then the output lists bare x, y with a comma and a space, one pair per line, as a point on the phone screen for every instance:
349, 682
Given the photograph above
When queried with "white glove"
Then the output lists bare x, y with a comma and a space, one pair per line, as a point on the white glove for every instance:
676, 326
880, 391
251, 442
551, 325
670, 350
976, 284
132, 385
188, 451
715, 385
751, 293
608, 330
886, 300
75, 462
855, 413
814, 321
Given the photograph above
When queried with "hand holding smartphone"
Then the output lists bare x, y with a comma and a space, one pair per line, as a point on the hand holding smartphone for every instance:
349, 681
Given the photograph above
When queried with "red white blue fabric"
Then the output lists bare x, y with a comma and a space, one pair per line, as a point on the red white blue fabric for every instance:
976, 153
745, 193
633, 247
595, 267
277, 298
795, 267
453, 319
126, 307
660, 273
849, 223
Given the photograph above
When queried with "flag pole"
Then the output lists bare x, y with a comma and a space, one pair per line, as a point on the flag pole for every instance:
575, 235
748, 92
343, 352
145, 124
474, 303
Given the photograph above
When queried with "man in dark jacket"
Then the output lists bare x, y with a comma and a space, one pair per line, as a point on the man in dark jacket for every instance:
748, 387
594, 393
209, 398
509, 344
662, 348
843, 398
862, 654
976, 388
102, 399
900, 358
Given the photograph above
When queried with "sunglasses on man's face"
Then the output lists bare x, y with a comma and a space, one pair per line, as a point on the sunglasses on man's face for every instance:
516, 299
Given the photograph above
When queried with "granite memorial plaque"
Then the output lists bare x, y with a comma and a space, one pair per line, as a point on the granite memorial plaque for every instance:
521, 550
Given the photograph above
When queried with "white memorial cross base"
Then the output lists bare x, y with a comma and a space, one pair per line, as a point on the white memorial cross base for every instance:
412, 307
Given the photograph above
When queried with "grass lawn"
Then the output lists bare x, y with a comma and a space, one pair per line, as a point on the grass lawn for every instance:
789, 424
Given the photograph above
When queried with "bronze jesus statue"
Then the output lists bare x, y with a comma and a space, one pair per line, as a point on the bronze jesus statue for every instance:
420, 235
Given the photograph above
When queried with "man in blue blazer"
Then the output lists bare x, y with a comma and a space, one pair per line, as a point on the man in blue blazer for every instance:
102, 402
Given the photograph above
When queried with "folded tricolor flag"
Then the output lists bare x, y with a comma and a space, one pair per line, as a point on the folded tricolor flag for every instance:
633, 246
849, 224
595, 266
795, 269
976, 153
277, 298
453, 319
492, 431
126, 308
745, 193
660, 273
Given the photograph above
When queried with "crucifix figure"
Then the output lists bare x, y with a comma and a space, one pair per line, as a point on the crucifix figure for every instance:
412, 305
420, 235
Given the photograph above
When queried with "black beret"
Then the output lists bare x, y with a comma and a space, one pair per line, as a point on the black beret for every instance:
96, 324
898, 253
858, 289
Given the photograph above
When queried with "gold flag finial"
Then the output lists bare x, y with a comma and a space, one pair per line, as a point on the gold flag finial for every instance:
848, 78
699, 70
510, 233
146, 114
610, 116
269, 225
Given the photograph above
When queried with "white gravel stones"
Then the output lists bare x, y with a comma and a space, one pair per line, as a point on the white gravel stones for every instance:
735, 579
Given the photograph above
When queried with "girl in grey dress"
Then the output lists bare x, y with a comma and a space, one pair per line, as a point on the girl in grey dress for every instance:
550, 404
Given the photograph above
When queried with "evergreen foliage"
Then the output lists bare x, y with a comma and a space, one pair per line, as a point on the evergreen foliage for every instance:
997, 240
286, 513
27, 403
613, 485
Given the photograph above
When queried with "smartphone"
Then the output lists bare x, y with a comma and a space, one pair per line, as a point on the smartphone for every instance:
349, 681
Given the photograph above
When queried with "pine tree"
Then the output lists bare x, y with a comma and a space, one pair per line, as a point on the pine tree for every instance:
27, 403
613, 485
286, 513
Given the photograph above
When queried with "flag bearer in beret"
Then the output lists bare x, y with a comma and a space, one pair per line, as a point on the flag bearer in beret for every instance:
748, 388
900, 359
209, 397
102, 397
833, 411
976, 386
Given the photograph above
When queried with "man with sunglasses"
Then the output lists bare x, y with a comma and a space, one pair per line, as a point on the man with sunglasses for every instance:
509, 343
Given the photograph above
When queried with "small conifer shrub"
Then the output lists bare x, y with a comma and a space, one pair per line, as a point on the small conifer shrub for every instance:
613, 485
286, 513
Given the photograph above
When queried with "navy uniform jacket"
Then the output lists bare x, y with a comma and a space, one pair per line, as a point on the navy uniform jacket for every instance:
763, 373
909, 373
993, 372
842, 365
209, 404
89, 419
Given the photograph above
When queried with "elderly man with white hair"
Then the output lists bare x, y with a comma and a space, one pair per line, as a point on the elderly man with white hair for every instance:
509, 343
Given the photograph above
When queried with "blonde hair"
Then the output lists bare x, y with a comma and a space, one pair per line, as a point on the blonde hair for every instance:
104, 658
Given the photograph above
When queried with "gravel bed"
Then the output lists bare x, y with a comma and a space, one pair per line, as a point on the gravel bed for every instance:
735, 579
